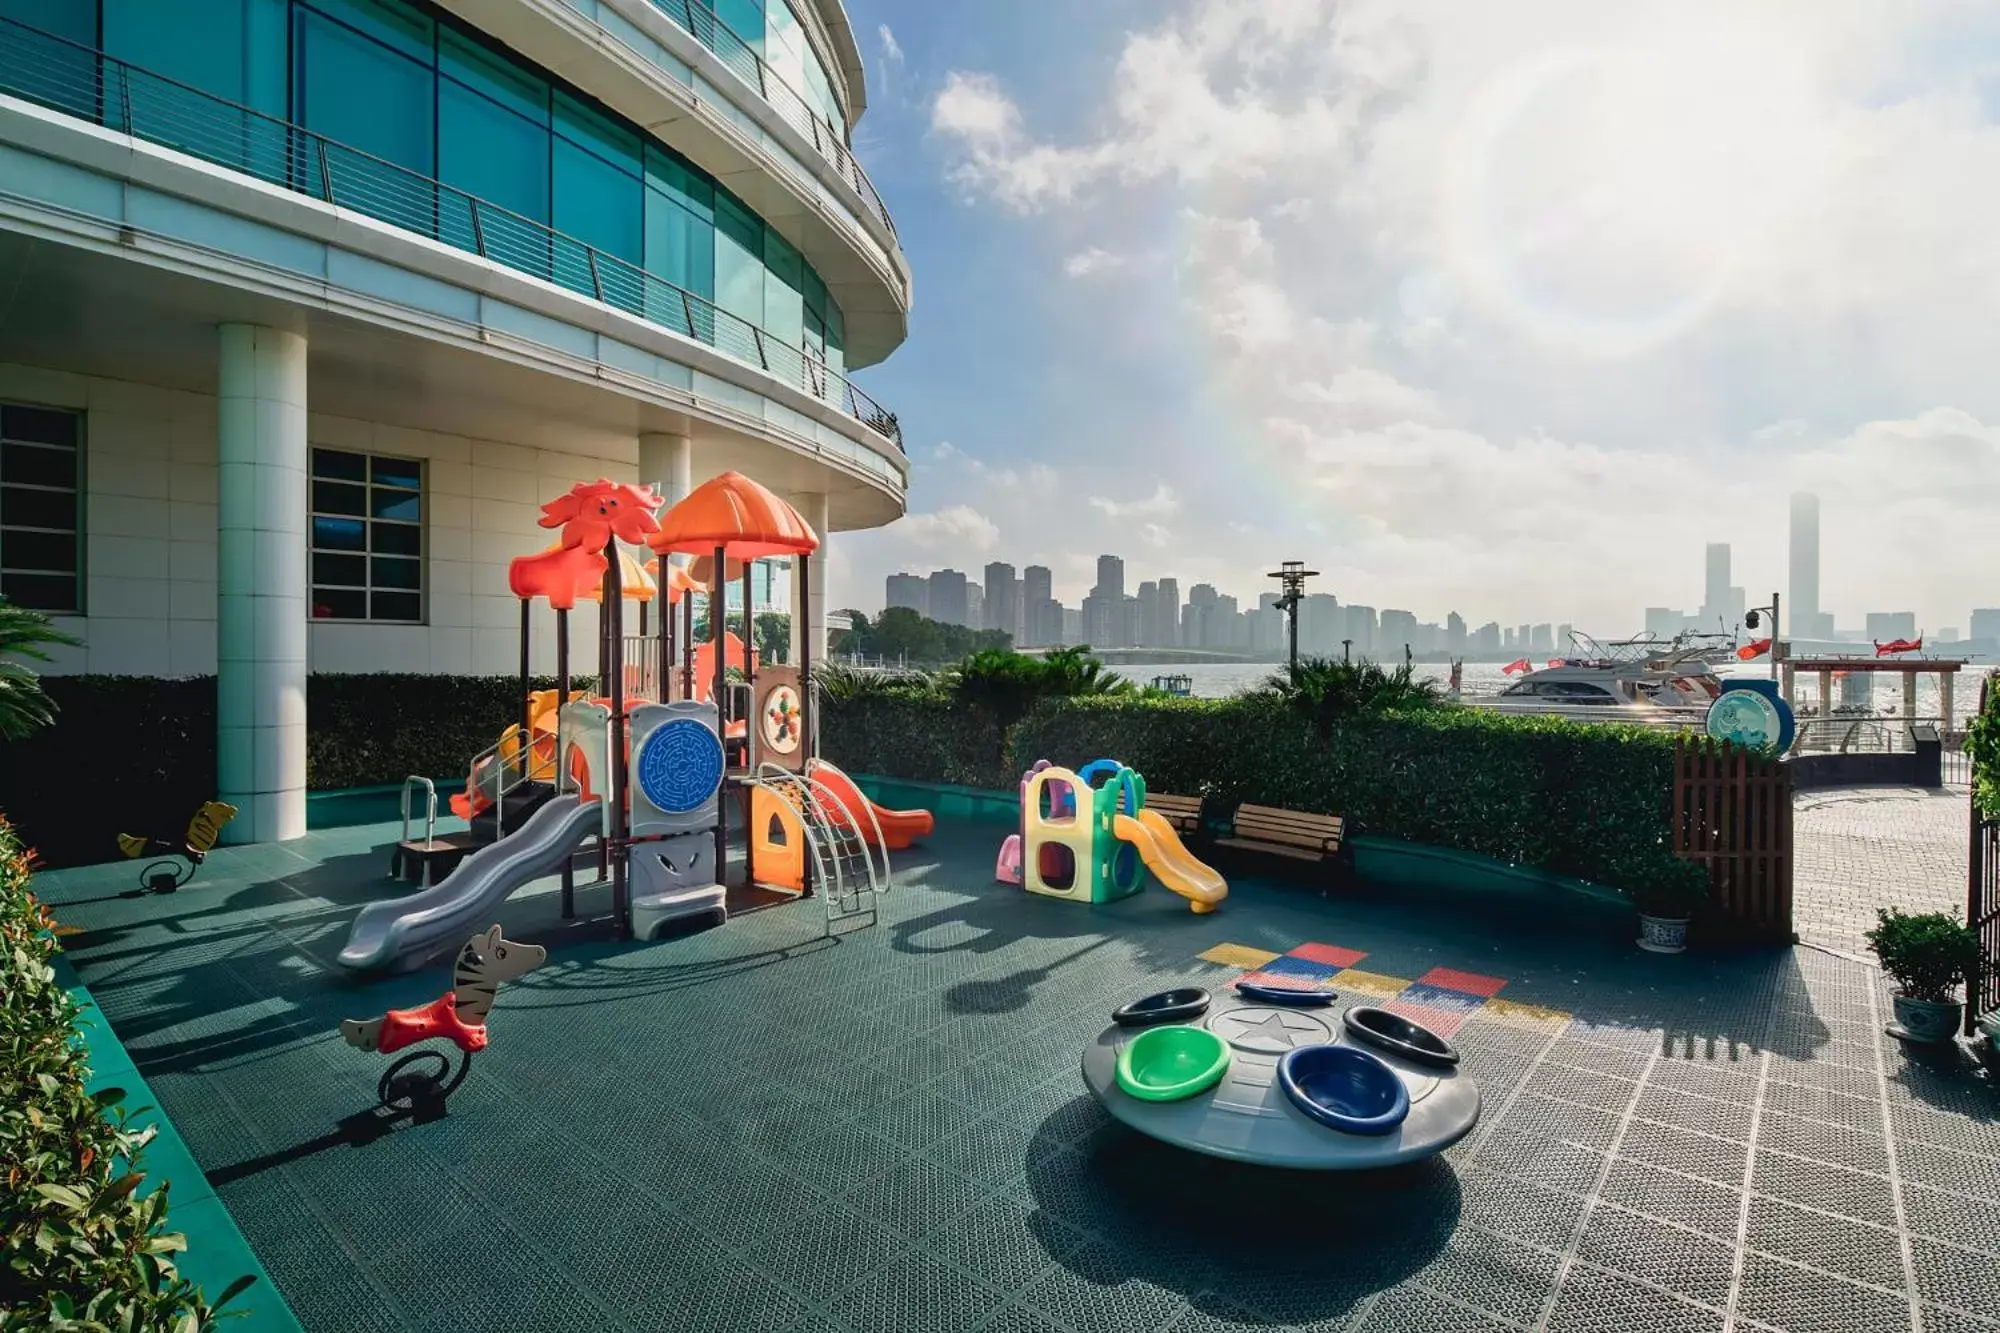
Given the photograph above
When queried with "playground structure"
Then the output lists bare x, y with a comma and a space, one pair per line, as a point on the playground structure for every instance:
650, 768
1086, 842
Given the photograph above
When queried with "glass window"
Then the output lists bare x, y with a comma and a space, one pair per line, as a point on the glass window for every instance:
739, 259
369, 87
784, 283
367, 539
495, 149
745, 18
599, 200
41, 507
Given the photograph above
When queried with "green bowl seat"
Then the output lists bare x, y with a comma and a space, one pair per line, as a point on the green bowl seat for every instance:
1168, 1064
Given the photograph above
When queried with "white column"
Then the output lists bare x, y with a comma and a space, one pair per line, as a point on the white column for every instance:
812, 508
1945, 681
1909, 697
260, 688
667, 461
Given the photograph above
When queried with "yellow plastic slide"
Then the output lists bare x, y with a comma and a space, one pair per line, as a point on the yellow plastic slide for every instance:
1171, 862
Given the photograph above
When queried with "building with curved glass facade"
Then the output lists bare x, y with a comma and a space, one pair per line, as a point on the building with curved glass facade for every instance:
310, 303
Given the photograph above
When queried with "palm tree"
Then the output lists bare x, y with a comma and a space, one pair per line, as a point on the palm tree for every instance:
25, 707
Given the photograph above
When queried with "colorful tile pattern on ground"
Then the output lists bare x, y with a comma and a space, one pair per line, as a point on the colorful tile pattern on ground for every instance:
1442, 999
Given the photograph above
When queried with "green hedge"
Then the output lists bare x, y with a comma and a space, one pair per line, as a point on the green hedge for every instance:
136, 754
1589, 801
916, 735
365, 730
79, 1245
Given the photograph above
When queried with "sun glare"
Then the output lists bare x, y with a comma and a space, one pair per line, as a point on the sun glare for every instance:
1604, 196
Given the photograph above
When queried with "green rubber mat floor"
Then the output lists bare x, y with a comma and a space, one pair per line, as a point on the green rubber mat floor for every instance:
756, 1128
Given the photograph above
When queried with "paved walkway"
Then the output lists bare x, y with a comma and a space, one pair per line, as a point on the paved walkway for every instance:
1864, 848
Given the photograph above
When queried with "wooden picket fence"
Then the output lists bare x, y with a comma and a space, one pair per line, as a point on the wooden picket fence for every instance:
1733, 815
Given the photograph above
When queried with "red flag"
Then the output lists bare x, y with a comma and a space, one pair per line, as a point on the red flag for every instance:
1555, 661
1517, 667
1898, 646
1754, 649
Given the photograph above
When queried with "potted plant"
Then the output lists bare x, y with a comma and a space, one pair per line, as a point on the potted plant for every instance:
1664, 911
1927, 955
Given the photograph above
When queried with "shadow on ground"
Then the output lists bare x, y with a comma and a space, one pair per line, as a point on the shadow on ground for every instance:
1250, 1243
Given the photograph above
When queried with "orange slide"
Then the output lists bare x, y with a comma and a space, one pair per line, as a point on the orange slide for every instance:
899, 828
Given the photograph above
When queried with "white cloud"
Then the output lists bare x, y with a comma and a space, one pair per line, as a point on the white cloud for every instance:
1161, 502
892, 50
1155, 536
951, 530
1095, 261
1515, 321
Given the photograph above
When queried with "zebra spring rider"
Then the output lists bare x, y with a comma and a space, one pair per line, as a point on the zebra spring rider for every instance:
179, 857
426, 1077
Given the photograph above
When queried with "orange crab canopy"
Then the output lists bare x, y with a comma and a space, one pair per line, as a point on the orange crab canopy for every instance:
737, 514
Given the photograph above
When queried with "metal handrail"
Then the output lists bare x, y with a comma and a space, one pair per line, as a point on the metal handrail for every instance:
701, 22
86, 83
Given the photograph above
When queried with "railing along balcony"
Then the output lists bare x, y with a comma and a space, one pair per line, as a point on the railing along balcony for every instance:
701, 21
90, 85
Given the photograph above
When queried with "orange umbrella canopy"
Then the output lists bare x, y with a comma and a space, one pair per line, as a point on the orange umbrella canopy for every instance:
731, 511
633, 577
679, 581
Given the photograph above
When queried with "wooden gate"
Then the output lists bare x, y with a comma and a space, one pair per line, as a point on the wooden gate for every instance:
1733, 815
1982, 895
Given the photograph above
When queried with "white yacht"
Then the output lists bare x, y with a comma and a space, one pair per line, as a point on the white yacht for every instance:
1643, 679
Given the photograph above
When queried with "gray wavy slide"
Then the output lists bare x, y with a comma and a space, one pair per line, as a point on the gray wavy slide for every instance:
409, 931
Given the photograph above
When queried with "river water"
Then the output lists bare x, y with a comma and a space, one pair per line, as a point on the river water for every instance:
1216, 680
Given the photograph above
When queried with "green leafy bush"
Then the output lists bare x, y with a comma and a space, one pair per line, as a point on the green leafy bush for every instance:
366, 730
1325, 690
82, 1252
1590, 801
1927, 955
25, 706
1982, 742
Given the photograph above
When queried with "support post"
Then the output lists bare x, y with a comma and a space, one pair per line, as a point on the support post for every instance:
1909, 698
1946, 679
749, 715
808, 717
527, 740
1826, 701
262, 607
614, 759
718, 598
562, 757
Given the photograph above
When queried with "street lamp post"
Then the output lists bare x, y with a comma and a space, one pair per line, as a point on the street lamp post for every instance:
1750, 620
1292, 576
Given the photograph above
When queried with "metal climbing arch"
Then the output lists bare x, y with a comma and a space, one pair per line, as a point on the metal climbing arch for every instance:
850, 871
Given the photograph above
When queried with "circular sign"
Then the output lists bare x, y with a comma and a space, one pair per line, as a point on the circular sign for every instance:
781, 720
1751, 715
680, 766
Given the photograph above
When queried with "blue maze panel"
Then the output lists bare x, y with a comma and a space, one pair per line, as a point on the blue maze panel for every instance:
680, 766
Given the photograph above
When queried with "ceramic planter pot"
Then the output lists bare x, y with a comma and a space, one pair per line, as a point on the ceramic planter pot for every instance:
1663, 934
1928, 1021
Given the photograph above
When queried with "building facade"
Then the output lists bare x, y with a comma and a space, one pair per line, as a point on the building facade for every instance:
350, 287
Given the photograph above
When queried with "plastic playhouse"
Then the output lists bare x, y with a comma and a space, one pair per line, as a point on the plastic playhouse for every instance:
649, 770
1092, 843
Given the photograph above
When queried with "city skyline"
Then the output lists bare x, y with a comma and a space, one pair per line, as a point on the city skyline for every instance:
1151, 613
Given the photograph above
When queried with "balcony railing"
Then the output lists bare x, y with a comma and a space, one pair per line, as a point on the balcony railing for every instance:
700, 20
90, 85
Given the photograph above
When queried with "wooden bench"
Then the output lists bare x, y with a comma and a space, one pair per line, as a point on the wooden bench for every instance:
1183, 812
1289, 833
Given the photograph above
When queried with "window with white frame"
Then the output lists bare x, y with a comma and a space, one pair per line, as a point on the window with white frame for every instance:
41, 507
367, 537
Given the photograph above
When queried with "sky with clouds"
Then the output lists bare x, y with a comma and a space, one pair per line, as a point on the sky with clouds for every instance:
1499, 309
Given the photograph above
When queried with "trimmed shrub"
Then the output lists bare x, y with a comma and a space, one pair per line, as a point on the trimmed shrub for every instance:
136, 754
133, 754
916, 734
367, 730
81, 1250
1591, 801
